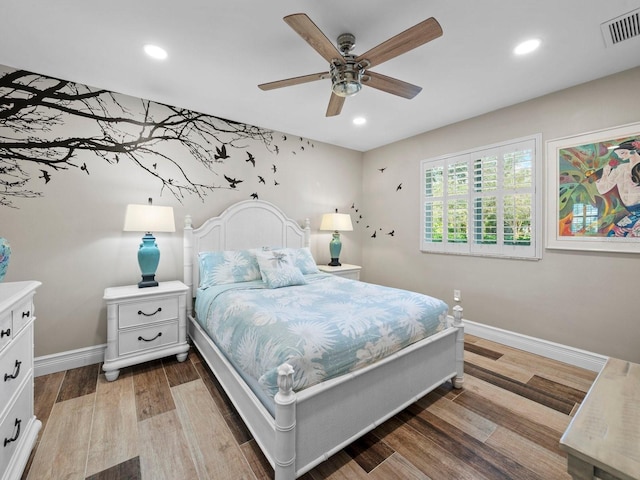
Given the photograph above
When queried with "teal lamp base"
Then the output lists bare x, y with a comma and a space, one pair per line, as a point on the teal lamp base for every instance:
335, 245
148, 259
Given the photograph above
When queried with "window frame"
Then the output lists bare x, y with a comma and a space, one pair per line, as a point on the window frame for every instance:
474, 193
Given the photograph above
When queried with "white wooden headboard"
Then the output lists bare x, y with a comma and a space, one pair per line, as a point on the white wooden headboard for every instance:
247, 224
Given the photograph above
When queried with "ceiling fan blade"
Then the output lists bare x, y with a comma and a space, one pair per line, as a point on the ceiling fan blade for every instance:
313, 36
390, 85
335, 105
294, 81
411, 38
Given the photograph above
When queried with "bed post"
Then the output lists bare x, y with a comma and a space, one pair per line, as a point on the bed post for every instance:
188, 262
307, 232
458, 380
285, 399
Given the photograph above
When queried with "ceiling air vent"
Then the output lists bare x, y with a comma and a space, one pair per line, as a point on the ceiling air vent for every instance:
621, 28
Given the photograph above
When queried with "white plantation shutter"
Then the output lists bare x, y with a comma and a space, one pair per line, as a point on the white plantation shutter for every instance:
485, 201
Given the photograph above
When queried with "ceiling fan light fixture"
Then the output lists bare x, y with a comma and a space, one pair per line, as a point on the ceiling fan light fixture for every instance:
346, 88
346, 79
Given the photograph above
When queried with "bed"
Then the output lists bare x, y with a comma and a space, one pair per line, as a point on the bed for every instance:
299, 428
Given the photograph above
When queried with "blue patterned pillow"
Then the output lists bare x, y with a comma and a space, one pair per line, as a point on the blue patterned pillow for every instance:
284, 276
229, 266
302, 258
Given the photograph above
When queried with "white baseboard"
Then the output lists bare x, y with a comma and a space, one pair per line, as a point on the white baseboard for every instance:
562, 353
59, 362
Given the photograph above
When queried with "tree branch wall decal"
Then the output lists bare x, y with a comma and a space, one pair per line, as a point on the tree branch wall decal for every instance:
34, 108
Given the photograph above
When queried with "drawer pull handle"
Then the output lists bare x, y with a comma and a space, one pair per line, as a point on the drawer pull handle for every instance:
16, 372
26, 314
140, 312
150, 340
5, 333
9, 440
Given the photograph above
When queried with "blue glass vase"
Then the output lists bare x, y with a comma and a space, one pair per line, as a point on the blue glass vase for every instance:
5, 254
148, 259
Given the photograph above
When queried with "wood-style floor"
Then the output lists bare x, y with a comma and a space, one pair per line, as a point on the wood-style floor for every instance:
170, 420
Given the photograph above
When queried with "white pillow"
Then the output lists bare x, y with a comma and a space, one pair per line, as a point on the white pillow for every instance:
274, 259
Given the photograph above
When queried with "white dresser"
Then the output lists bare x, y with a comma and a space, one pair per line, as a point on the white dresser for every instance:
18, 425
144, 324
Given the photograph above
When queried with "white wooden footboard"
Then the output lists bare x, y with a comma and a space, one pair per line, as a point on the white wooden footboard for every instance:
331, 415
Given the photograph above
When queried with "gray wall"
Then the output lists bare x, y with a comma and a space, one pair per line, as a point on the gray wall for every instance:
582, 299
70, 238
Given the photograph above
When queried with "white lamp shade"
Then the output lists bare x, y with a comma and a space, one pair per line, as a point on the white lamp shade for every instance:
149, 218
337, 222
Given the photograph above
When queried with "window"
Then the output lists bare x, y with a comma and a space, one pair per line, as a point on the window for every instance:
585, 219
487, 201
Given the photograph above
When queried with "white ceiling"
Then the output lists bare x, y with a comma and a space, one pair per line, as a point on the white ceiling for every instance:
220, 51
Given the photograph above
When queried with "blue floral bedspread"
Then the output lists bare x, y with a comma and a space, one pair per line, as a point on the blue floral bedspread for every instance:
328, 327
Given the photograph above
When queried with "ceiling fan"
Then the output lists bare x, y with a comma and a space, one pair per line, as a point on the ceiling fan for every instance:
349, 72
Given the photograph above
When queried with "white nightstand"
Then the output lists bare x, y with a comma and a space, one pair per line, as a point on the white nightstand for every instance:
144, 324
345, 270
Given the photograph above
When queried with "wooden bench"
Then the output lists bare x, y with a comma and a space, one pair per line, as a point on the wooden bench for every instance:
603, 439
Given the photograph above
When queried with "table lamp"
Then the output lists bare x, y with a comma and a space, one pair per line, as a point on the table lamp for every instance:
337, 222
149, 218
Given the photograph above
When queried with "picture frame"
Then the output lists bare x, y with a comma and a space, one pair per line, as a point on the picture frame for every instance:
593, 200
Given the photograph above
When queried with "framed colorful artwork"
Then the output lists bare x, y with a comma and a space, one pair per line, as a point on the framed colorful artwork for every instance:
593, 191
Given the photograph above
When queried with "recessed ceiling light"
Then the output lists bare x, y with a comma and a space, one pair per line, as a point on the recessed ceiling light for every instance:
155, 52
359, 121
527, 47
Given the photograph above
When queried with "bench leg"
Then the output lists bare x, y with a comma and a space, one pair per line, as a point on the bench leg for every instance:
579, 469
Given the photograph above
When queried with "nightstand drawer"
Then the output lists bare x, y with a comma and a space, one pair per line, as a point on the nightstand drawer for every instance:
15, 364
148, 311
140, 339
13, 427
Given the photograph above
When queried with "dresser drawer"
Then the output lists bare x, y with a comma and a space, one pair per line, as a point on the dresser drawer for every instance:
14, 425
16, 363
6, 328
14, 320
147, 311
152, 336
22, 313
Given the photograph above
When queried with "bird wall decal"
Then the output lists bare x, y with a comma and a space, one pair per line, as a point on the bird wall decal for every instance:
221, 153
232, 181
